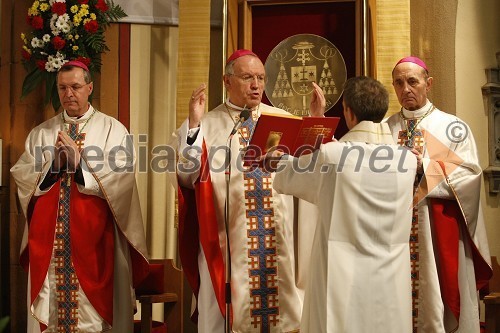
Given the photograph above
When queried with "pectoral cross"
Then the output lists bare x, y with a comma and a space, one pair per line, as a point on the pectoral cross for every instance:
80, 140
412, 137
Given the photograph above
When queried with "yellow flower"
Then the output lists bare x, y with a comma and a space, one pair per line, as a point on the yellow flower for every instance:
33, 11
74, 9
84, 10
77, 19
77, 36
25, 48
93, 16
87, 20
44, 7
75, 47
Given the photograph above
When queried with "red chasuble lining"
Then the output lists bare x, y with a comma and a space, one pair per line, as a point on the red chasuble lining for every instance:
447, 233
448, 219
92, 245
201, 227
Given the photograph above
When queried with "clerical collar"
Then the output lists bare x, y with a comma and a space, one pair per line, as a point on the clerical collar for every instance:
369, 132
417, 113
67, 118
231, 109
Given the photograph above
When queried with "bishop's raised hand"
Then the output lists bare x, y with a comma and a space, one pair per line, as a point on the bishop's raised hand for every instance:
197, 105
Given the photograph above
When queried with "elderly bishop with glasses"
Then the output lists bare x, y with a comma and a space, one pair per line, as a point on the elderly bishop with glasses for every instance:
258, 222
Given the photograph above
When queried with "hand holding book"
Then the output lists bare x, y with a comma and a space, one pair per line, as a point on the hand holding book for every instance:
291, 134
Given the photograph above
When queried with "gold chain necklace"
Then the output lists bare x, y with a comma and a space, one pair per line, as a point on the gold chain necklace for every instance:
84, 124
410, 132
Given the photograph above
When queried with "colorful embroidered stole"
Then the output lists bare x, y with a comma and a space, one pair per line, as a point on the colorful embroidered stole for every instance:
261, 231
413, 138
67, 284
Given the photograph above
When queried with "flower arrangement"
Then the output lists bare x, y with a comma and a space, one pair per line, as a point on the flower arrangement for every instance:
64, 30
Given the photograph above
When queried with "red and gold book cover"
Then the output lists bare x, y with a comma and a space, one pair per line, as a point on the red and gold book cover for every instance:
291, 134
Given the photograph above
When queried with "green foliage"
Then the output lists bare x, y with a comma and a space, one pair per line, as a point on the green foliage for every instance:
3, 323
115, 13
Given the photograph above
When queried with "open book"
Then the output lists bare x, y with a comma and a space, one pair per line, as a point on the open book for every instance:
291, 134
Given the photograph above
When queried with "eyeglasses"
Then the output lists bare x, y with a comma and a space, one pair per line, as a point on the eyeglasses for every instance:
247, 78
76, 88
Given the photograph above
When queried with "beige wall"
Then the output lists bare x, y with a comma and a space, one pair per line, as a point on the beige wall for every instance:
433, 26
477, 40
392, 42
153, 72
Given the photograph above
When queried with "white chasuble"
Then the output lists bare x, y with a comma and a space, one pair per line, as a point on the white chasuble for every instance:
264, 294
360, 267
444, 137
108, 174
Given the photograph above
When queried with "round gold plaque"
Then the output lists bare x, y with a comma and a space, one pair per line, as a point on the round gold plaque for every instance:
295, 63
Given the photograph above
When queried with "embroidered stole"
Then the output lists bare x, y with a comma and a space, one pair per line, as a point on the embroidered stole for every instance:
413, 138
67, 284
261, 231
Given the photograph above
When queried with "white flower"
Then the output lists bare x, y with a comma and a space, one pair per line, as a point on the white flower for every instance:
65, 17
49, 66
55, 62
46, 38
34, 42
63, 23
53, 27
66, 28
62, 20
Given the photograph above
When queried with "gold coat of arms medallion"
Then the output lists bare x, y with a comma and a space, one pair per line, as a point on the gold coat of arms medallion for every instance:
295, 63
